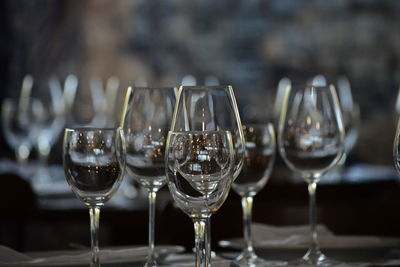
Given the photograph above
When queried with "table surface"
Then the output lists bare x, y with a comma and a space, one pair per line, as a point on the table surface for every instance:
58, 219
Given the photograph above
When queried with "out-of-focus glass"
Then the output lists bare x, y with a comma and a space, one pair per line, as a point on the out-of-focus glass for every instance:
17, 122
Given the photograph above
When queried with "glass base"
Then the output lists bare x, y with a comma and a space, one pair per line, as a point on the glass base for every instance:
255, 261
314, 258
151, 264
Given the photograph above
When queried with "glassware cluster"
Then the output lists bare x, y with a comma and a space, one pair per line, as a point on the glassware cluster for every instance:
192, 139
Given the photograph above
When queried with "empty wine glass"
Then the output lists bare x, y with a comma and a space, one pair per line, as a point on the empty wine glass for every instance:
50, 123
210, 108
200, 166
94, 162
146, 121
16, 114
19, 131
311, 142
259, 157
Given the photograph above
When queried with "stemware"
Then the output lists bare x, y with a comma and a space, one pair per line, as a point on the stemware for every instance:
146, 120
257, 167
311, 142
210, 108
19, 131
94, 162
16, 114
50, 123
199, 169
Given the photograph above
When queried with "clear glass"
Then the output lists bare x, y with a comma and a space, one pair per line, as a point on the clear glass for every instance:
18, 127
259, 157
210, 108
94, 163
16, 116
146, 121
200, 166
311, 142
50, 123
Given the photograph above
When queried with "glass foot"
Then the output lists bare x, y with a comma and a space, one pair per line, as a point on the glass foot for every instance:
150, 264
255, 261
314, 258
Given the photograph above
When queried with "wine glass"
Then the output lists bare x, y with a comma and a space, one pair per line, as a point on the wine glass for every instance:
94, 163
50, 123
258, 162
16, 115
199, 167
19, 131
311, 142
210, 108
146, 120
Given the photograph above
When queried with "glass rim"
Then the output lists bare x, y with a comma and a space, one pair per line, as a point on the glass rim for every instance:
89, 128
153, 88
205, 87
302, 86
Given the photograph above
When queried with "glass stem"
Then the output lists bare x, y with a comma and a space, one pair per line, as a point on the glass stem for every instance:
202, 253
43, 158
208, 241
43, 146
312, 188
22, 154
151, 259
247, 205
94, 212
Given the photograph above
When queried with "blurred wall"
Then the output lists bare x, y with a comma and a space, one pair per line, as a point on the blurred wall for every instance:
250, 44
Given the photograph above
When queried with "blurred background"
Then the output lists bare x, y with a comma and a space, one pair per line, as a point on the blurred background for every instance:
90, 51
